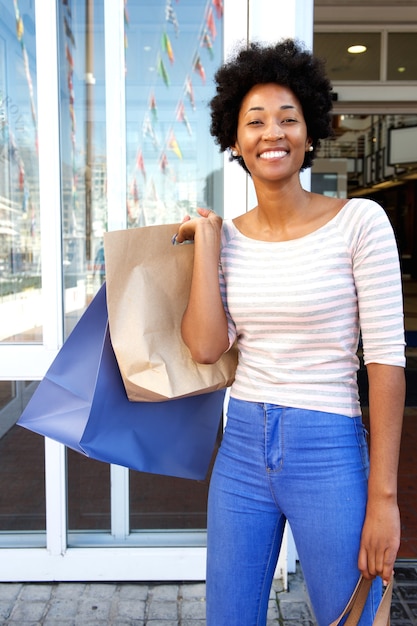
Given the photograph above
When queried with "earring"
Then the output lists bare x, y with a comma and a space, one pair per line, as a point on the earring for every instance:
311, 149
234, 152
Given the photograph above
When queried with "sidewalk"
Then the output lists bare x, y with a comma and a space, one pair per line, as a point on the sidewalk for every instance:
132, 604
142, 604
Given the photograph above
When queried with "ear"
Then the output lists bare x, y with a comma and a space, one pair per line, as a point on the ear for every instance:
309, 145
234, 151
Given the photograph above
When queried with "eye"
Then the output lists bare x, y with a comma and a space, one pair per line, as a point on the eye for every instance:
289, 120
254, 122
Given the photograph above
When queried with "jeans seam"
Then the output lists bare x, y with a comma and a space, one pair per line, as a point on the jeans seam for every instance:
266, 570
267, 441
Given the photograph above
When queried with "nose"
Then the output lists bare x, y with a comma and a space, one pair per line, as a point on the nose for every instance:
273, 131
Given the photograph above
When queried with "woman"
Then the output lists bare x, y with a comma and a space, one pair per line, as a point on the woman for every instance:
294, 281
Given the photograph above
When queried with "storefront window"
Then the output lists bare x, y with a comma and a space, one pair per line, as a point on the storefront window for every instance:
22, 465
354, 65
402, 56
83, 150
172, 51
20, 269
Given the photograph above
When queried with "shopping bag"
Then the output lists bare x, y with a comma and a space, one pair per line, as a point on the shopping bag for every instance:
81, 402
148, 284
356, 604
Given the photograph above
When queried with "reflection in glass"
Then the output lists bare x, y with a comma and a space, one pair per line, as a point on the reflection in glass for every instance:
88, 493
20, 275
340, 64
173, 166
83, 150
402, 56
22, 480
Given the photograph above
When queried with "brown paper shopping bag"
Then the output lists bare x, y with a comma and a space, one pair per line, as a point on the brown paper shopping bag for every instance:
148, 283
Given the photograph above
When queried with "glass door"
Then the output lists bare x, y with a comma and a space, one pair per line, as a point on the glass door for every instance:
103, 125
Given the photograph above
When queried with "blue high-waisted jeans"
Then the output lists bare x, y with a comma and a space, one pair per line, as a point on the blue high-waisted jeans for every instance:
277, 463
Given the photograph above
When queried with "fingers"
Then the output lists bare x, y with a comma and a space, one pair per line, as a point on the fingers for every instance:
188, 225
372, 564
205, 212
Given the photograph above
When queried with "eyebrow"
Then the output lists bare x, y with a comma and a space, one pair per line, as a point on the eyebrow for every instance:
284, 107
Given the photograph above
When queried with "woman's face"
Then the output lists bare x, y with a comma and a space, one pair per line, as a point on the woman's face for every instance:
271, 133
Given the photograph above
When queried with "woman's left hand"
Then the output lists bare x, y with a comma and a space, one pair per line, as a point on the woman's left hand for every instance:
380, 539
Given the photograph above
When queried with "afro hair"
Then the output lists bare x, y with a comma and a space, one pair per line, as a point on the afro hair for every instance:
286, 63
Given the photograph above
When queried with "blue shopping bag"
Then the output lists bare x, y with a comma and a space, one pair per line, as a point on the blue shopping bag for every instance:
82, 403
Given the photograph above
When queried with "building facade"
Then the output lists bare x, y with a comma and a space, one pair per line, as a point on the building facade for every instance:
104, 125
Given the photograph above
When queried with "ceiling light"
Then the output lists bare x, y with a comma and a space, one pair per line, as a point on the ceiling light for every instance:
401, 69
357, 49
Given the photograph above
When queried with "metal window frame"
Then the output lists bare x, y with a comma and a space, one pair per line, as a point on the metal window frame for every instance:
119, 555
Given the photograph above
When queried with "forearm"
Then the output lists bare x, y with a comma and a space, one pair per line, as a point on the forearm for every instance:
204, 325
386, 407
381, 530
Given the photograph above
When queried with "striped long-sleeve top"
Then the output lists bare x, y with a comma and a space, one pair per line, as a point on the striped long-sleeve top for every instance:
297, 309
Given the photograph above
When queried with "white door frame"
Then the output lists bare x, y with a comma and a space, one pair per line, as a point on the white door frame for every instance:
118, 555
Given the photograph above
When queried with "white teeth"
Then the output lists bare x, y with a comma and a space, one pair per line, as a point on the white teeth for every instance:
273, 155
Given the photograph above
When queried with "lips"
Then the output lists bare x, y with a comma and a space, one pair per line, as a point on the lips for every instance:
273, 154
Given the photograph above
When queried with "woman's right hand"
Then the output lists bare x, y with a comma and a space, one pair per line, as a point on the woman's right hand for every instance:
189, 226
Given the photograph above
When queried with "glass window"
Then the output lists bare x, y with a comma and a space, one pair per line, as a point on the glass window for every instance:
344, 65
20, 272
22, 465
172, 51
88, 493
83, 150
173, 166
402, 56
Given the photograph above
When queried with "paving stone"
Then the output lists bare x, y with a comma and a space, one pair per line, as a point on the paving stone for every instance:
25, 611
164, 609
162, 622
131, 609
94, 608
53, 621
9, 591
193, 609
135, 591
62, 610
193, 591
36, 591
167, 592
5, 610
70, 591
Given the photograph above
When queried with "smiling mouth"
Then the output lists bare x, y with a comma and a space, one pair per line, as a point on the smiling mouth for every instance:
276, 154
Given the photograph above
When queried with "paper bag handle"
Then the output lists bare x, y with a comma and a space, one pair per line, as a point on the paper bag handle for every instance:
357, 601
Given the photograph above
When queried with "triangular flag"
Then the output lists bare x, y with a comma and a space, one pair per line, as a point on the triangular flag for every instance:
218, 4
152, 106
189, 91
148, 130
206, 43
211, 23
181, 117
198, 67
173, 145
162, 72
171, 17
166, 44
163, 163
140, 164
134, 190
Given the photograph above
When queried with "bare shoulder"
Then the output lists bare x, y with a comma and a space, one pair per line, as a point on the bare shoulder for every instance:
326, 205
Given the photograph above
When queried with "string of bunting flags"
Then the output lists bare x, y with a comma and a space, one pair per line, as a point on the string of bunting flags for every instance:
14, 153
166, 58
70, 46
